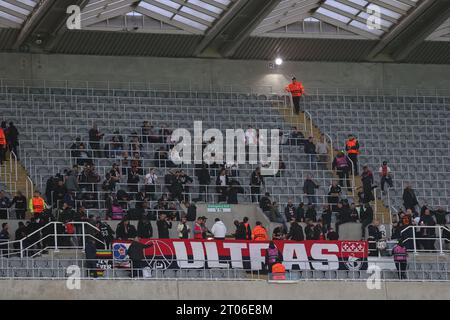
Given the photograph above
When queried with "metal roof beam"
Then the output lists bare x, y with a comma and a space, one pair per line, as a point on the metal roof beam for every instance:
412, 30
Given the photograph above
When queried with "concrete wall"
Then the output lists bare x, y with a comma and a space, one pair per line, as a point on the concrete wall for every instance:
201, 73
221, 290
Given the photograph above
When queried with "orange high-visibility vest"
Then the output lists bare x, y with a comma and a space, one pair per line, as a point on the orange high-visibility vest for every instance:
296, 89
38, 204
259, 234
2, 138
278, 268
351, 144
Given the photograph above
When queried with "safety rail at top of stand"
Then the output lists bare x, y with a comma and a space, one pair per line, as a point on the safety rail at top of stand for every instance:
232, 88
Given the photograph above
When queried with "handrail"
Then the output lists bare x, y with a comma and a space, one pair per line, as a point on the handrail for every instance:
414, 238
55, 235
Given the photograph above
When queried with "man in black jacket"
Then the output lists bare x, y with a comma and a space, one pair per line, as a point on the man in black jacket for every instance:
163, 226
13, 138
296, 231
256, 181
233, 190
409, 198
309, 188
145, 229
191, 214
204, 179
265, 203
136, 252
310, 150
94, 141
289, 211
125, 230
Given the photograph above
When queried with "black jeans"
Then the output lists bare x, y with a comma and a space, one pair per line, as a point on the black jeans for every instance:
343, 175
401, 269
385, 180
354, 158
20, 214
296, 102
256, 193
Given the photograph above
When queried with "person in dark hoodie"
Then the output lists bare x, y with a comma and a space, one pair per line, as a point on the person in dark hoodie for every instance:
13, 139
309, 188
125, 230
409, 198
136, 252
427, 220
145, 229
163, 225
233, 190
295, 231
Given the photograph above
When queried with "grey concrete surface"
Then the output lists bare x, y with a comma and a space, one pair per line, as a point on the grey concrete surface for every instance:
220, 290
201, 73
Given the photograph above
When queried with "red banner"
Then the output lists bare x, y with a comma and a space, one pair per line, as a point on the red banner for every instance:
248, 255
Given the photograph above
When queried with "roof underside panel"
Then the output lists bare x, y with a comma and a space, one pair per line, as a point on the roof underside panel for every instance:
13, 13
193, 16
442, 33
265, 48
436, 52
370, 19
127, 44
7, 38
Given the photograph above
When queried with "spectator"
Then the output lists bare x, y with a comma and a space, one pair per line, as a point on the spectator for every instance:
191, 214
222, 182
332, 235
343, 215
334, 194
326, 216
259, 232
13, 139
290, 211
204, 179
354, 213
91, 257
310, 150
3, 143
367, 182
247, 228
233, 190
256, 181
115, 175
401, 259
133, 181
219, 230
116, 145
153, 135
4, 237
279, 233
199, 229
145, 229
145, 132
125, 230
272, 256
311, 213
71, 181
136, 252
322, 151
385, 176
300, 212
74, 148
163, 225
375, 235
240, 233
106, 232
428, 234
352, 148
366, 217
5, 204
309, 188
94, 141
21, 233
265, 203
319, 231
58, 194
295, 231
176, 187
297, 138
151, 179
309, 230
409, 198
183, 229
342, 166
441, 216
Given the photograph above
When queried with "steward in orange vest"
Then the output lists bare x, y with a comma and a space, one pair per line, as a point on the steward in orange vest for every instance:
297, 90
278, 271
259, 233
37, 205
352, 148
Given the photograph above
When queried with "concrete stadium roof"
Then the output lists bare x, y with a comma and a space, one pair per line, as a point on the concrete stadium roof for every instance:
321, 30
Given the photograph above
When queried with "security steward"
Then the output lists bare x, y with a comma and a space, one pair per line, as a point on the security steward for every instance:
352, 148
296, 89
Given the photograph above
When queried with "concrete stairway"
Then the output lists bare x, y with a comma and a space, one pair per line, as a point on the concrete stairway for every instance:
15, 178
306, 125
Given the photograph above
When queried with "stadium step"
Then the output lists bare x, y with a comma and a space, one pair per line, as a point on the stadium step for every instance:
308, 128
